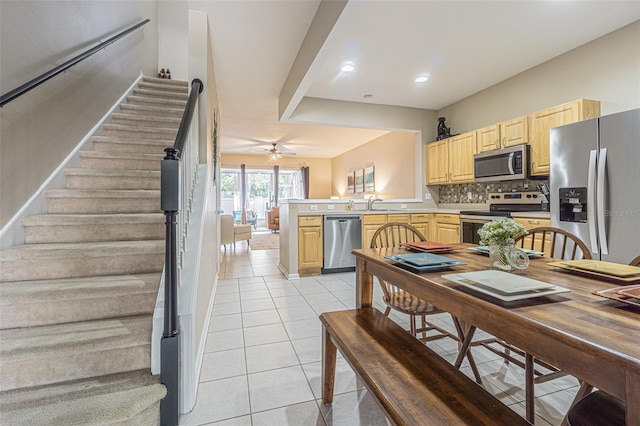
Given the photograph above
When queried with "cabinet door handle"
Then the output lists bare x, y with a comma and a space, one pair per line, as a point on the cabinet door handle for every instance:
534, 222
504, 141
497, 143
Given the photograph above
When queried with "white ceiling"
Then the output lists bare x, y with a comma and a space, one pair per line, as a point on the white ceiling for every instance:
463, 46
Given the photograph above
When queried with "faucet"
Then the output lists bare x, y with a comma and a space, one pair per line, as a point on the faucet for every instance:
372, 200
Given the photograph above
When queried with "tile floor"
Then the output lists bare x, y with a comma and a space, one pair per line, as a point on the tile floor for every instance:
262, 358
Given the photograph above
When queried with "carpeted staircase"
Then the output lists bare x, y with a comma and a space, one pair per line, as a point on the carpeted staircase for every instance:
76, 300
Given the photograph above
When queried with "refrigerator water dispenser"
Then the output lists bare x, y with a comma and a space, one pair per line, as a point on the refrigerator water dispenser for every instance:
573, 204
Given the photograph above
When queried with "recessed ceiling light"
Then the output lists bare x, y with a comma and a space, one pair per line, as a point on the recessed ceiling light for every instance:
348, 67
421, 79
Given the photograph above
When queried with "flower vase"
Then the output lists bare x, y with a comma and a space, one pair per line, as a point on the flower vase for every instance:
498, 255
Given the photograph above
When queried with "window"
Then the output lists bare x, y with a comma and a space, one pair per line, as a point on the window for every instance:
260, 196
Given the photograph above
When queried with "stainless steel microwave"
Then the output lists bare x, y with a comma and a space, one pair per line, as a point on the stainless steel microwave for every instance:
502, 164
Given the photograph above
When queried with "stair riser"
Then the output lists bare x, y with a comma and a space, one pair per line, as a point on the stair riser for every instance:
54, 369
137, 135
164, 103
162, 94
134, 148
149, 110
64, 205
147, 122
93, 233
70, 267
120, 164
61, 311
173, 88
111, 182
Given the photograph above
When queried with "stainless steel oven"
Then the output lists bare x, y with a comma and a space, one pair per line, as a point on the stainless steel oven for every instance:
501, 204
471, 221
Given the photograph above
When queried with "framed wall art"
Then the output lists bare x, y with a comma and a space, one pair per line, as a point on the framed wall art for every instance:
369, 181
351, 183
360, 181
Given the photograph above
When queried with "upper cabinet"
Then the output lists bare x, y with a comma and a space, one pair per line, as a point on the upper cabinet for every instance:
542, 121
451, 160
502, 135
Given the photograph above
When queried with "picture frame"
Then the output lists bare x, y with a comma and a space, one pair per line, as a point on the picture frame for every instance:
351, 183
359, 181
369, 179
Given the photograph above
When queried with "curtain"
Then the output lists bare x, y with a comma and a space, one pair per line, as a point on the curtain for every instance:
304, 173
243, 192
276, 184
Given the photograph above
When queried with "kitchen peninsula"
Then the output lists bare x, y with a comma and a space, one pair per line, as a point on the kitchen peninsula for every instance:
301, 228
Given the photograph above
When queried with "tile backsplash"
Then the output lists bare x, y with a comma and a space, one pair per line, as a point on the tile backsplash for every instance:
479, 192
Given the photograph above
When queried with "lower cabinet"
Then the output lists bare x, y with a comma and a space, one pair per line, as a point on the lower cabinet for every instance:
421, 222
530, 223
446, 228
370, 224
309, 244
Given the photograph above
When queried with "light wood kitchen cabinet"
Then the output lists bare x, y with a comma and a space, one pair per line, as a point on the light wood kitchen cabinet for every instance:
534, 222
461, 151
502, 135
309, 244
451, 160
421, 221
514, 132
488, 138
398, 217
542, 121
446, 228
370, 224
437, 162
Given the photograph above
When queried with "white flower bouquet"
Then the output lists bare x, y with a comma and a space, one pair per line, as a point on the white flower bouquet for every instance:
500, 231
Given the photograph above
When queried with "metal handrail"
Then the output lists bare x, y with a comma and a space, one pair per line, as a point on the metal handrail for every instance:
19, 91
171, 199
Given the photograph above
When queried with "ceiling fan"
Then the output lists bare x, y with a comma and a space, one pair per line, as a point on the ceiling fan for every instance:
274, 153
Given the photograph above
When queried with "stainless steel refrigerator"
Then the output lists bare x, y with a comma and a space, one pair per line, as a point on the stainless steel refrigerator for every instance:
595, 184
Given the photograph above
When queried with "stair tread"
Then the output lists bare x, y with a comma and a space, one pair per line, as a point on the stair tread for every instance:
136, 118
139, 129
112, 172
77, 288
88, 219
163, 94
49, 341
166, 81
103, 193
166, 142
85, 401
166, 103
152, 108
121, 155
90, 249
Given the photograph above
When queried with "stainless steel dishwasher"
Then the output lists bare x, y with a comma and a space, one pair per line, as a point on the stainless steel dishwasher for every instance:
342, 233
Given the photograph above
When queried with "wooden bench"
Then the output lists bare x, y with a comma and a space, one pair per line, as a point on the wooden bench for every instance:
410, 382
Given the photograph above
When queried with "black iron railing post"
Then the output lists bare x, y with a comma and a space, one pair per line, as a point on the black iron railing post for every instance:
170, 343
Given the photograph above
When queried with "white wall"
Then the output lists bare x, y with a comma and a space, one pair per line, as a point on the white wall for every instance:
606, 69
39, 129
173, 38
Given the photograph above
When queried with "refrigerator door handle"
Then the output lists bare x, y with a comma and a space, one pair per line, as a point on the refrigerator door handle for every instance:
591, 201
602, 232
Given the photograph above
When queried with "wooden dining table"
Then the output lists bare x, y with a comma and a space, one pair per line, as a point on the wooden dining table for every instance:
595, 339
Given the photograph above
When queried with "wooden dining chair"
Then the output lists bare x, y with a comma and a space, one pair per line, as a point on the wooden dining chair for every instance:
597, 409
635, 262
393, 234
554, 243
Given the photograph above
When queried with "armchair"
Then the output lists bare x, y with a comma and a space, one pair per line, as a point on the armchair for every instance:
231, 232
273, 219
